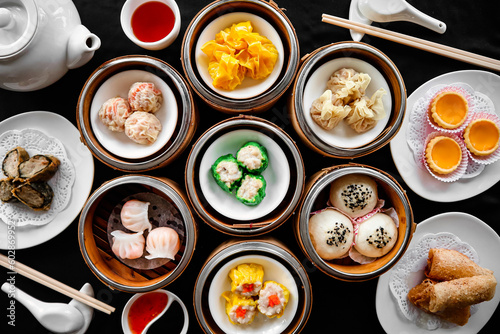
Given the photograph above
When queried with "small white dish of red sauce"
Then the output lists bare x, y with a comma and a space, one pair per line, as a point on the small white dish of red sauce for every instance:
151, 24
143, 309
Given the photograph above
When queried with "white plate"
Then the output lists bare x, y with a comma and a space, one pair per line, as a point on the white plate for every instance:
343, 135
117, 142
273, 271
60, 128
419, 180
249, 87
470, 230
277, 176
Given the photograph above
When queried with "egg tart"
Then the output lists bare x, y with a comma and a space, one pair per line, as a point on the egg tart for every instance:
449, 110
482, 136
443, 154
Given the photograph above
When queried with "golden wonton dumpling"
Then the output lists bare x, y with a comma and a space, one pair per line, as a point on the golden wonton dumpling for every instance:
327, 114
238, 51
348, 84
366, 112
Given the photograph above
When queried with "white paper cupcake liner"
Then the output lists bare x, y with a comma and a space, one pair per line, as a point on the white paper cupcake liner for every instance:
461, 88
419, 126
457, 173
490, 158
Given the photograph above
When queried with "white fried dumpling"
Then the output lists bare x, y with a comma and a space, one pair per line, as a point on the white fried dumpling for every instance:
142, 127
162, 242
127, 245
134, 216
327, 114
347, 84
366, 112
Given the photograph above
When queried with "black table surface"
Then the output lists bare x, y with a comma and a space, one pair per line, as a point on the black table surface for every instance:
471, 26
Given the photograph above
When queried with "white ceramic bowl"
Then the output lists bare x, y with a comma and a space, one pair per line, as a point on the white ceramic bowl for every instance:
126, 16
249, 87
277, 176
170, 300
273, 271
117, 142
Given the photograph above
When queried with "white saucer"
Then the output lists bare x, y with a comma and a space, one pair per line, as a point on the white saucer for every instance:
277, 176
249, 87
343, 135
273, 271
470, 230
62, 129
419, 180
117, 142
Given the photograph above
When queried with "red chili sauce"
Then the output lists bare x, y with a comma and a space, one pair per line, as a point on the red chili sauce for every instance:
145, 309
152, 21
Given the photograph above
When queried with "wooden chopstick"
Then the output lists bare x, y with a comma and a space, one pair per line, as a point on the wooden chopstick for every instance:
415, 42
56, 285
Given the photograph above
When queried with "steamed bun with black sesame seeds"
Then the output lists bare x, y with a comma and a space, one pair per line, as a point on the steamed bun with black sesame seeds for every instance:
331, 234
354, 194
376, 236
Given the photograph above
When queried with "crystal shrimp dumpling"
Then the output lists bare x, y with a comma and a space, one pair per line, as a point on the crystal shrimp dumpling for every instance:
162, 242
114, 112
144, 96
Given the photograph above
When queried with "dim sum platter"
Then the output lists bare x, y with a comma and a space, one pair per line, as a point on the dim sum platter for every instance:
484, 240
60, 128
249, 87
117, 142
343, 135
273, 270
419, 180
277, 176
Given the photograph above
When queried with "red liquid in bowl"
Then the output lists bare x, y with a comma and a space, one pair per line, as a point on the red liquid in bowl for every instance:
152, 21
145, 309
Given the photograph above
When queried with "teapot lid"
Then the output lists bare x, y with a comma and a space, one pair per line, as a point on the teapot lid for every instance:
18, 23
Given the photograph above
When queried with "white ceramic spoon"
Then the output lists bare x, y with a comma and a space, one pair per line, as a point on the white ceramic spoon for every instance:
367, 11
171, 299
56, 317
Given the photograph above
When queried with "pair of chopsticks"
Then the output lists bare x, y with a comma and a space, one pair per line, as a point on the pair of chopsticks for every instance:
418, 43
55, 285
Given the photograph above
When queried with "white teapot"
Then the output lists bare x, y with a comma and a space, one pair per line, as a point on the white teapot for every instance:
39, 41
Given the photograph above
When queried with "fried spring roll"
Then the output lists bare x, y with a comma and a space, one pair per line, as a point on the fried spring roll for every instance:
447, 264
462, 292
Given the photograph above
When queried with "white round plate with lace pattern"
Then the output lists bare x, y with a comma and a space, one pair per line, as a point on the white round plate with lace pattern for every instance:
81, 158
418, 179
485, 242
38, 142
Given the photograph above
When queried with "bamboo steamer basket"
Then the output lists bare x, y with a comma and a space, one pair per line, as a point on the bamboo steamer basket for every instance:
235, 248
273, 15
315, 198
362, 52
187, 117
96, 250
273, 219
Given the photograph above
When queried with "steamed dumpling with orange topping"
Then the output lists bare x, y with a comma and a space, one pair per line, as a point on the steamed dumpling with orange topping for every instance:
237, 52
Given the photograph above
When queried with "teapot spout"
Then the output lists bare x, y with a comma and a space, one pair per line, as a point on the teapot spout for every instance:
81, 47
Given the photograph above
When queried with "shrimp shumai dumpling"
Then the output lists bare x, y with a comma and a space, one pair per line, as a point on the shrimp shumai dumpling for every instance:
134, 216
114, 112
143, 127
128, 245
144, 96
162, 242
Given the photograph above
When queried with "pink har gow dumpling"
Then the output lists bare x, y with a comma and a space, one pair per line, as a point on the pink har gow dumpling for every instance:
162, 242
144, 96
128, 245
134, 216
